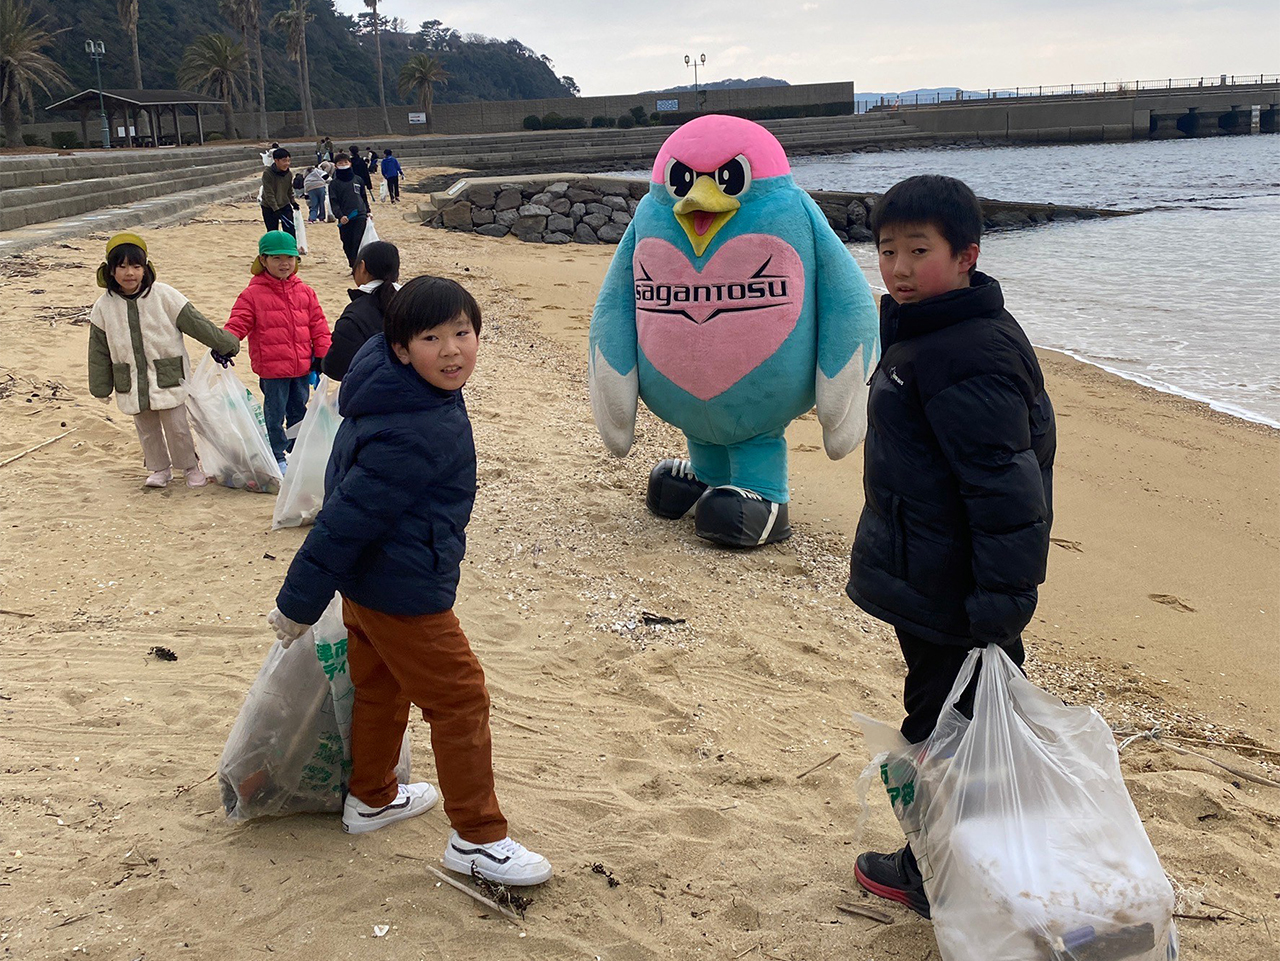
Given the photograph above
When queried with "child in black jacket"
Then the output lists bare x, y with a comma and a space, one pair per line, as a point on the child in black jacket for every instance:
376, 272
954, 534
350, 204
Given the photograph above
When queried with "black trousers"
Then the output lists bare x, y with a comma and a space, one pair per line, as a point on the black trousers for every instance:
352, 232
393, 188
281, 219
931, 671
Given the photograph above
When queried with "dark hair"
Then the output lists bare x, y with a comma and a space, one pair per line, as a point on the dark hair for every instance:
355, 149
134, 256
280, 153
424, 303
340, 156
387, 152
941, 202
382, 260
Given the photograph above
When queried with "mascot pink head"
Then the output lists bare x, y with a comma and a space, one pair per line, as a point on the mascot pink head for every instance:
707, 142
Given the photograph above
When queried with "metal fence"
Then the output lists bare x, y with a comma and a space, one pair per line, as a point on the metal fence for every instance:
1111, 88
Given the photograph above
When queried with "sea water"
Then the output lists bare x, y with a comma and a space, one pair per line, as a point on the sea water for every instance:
1183, 297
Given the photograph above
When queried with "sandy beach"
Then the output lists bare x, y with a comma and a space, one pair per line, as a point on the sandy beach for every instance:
686, 759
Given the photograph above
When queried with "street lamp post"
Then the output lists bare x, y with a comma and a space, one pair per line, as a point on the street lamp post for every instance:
95, 49
690, 62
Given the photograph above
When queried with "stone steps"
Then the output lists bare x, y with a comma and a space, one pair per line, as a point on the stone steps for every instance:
18, 171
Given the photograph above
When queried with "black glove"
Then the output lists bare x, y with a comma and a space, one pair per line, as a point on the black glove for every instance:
295, 206
223, 359
317, 365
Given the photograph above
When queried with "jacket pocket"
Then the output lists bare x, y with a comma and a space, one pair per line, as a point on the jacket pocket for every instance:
122, 376
168, 372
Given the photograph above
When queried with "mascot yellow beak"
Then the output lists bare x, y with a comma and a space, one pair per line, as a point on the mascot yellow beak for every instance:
703, 211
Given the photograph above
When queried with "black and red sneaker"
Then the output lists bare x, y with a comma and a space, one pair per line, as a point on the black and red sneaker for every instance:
895, 877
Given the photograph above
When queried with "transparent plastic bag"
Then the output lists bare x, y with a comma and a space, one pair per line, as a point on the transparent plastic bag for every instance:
230, 430
1028, 842
383, 193
300, 231
289, 751
302, 491
370, 234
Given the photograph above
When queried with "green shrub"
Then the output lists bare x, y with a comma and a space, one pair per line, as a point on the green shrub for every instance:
626, 121
641, 118
64, 140
214, 135
551, 121
32, 140
532, 122
770, 113
573, 123
599, 121
655, 118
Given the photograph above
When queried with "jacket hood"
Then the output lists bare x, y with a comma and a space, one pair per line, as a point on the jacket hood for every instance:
899, 321
377, 383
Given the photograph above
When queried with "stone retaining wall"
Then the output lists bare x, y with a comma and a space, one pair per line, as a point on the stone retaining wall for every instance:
562, 208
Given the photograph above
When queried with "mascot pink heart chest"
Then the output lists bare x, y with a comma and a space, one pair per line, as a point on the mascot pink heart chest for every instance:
704, 330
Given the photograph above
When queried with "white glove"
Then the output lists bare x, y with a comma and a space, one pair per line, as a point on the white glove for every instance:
286, 630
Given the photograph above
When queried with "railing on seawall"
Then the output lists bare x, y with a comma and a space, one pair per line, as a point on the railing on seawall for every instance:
1107, 89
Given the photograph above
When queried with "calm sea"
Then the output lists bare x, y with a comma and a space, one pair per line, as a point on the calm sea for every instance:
1184, 297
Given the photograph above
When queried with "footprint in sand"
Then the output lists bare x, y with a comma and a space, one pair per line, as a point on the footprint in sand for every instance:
1171, 600
1067, 545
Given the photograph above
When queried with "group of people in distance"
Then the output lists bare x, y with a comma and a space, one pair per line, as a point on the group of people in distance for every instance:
960, 435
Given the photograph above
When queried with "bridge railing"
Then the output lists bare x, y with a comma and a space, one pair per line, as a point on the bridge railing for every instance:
1109, 88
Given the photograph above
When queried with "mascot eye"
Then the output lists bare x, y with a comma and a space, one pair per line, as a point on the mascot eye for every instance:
680, 178
734, 177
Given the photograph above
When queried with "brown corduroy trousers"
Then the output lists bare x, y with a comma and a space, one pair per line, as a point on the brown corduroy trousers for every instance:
426, 660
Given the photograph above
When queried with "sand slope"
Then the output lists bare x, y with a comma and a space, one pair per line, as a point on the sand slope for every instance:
670, 753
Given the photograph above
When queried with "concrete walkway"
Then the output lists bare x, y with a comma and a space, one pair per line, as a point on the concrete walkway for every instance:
153, 212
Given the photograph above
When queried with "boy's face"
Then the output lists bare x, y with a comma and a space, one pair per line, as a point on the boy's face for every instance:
280, 266
916, 262
283, 163
445, 355
129, 277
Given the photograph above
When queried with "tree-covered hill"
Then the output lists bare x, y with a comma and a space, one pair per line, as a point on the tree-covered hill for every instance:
341, 56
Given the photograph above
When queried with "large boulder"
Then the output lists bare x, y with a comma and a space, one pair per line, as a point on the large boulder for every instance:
558, 223
560, 205
856, 214
530, 228
542, 199
482, 215
507, 218
621, 217
509, 199
585, 235
638, 189
558, 189
582, 195
611, 233
458, 215
617, 203
556, 238
482, 195
493, 230
599, 208
535, 210
596, 221
577, 211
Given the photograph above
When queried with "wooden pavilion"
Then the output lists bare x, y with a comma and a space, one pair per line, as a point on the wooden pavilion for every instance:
130, 105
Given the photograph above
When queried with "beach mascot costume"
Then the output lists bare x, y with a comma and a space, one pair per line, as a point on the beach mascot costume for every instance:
731, 308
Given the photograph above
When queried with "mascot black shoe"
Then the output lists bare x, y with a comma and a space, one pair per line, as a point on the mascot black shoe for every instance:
735, 517
673, 488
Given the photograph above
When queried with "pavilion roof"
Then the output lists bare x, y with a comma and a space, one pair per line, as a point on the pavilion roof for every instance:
136, 98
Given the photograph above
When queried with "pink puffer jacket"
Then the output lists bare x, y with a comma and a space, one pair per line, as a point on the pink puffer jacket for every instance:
284, 324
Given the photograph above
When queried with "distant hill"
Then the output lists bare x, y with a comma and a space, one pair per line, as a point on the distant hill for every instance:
727, 85
341, 60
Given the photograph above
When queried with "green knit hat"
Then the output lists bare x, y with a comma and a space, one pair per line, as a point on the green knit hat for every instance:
277, 242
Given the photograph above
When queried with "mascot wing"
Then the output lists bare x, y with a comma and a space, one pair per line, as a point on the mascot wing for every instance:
848, 339
612, 373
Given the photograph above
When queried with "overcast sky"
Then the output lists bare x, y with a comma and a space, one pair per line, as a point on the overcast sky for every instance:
616, 47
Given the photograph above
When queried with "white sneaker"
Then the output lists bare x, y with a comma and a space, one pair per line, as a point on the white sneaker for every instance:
158, 478
411, 800
505, 861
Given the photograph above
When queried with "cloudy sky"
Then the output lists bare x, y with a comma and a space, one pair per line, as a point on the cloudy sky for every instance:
617, 47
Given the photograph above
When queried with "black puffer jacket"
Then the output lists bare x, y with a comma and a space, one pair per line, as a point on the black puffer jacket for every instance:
360, 321
954, 534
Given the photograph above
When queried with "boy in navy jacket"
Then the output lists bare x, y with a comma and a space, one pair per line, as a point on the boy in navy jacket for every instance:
398, 494
954, 534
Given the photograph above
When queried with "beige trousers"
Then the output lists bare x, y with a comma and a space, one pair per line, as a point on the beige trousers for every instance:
165, 436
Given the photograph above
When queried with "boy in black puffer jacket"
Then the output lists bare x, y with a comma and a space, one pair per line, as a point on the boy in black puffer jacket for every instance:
391, 536
375, 273
954, 534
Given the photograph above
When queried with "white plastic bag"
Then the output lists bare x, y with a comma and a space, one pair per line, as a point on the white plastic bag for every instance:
302, 491
1029, 845
300, 231
230, 430
370, 235
383, 193
290, 748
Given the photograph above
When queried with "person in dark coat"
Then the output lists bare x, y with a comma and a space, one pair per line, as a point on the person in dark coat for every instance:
376, 272
350, 204
361, 167
390, 538
954, 534
278, 204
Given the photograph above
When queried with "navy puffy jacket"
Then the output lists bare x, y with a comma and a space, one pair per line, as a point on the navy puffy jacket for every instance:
954, 534
398, 494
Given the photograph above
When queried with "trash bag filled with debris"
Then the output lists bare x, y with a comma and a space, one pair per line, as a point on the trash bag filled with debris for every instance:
230, 430
289, 751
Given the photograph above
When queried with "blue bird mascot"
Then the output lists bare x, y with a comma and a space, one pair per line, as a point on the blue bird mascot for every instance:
731, 308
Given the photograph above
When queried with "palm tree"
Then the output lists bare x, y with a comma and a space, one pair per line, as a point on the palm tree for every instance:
213, 64
246, 16
418, 76
22, 65
128, 11
293, 22
237, 15
377, 40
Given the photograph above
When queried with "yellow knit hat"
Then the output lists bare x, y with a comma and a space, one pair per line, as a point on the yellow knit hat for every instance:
112, 244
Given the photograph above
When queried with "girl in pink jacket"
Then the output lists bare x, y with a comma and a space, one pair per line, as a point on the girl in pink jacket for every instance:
287, 331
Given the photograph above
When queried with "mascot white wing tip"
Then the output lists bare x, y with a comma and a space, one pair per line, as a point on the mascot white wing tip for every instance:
614, 398
842, 407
